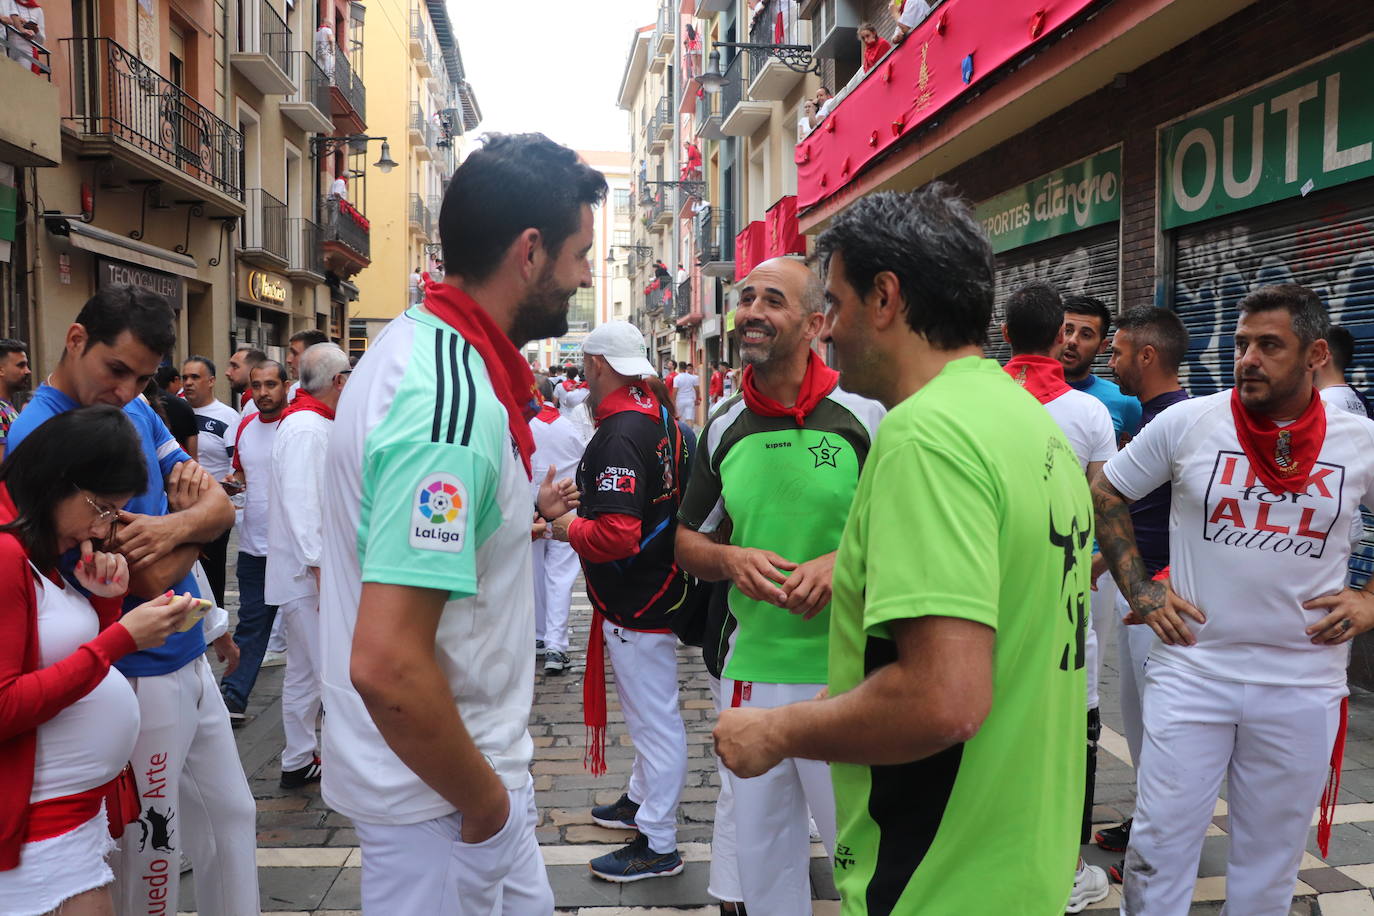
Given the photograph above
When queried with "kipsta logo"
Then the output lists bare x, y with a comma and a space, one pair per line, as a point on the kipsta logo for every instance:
440, 502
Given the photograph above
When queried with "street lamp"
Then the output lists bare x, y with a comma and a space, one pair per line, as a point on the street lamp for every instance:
642, 251
356, 142
797, 58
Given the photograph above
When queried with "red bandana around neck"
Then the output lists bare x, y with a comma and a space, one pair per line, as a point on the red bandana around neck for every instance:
548, 413
570, 385
510, 375
639, 398
818, 381
1282, 457
304, 402
1040, 375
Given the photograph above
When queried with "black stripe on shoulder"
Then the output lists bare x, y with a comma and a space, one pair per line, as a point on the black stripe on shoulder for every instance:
439, 387
472, 399
453, 368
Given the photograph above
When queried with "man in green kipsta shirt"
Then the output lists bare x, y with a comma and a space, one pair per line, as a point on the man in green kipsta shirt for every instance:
781, 461
955, 717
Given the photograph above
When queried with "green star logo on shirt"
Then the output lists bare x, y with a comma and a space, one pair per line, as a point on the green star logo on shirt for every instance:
825, 453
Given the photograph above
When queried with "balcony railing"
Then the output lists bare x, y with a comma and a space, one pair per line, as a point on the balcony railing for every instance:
732, 93
263, 31
682, 299
420, 215
303, 244
422, 125
419, 33
343, 224
662, 117
665, 28
24, 52
708, 117
350, 85
312, 86
117, 95
264, 224
654, 300
767, 30
715, 235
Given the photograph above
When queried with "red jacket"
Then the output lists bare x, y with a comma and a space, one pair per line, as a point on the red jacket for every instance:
29, 695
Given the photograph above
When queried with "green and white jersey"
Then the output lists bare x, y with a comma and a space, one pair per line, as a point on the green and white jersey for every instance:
428, 491
972, 505
785, 488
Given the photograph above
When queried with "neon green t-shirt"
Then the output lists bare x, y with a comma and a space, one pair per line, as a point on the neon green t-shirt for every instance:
971, 505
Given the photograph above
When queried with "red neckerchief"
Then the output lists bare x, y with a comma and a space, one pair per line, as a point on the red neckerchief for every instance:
1040, 375
305, 401
639, 398
31, 4
819, 381
548, 414
874, 52
570, 385
1281, 457
510, 374
245, 398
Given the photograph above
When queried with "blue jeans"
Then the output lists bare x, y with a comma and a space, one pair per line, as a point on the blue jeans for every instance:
252, 633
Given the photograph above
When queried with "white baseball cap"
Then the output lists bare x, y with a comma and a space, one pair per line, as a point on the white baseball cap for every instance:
622, 345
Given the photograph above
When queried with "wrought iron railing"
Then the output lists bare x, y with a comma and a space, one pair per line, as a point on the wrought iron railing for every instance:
767, 30
708, 117
663, 114
424, 126
419, 32
263, 31
435, 204
312, 85
340, 226
303, 243
25, 52
654, 300
732, 93
350, 85
420, 215
682, 299
116, 94
667, 23
715, 235
264, 223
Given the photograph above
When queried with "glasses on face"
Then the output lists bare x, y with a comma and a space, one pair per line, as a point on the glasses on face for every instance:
105, 514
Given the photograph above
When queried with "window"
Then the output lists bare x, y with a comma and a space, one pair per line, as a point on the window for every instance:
581, 311
621, 237
622, 202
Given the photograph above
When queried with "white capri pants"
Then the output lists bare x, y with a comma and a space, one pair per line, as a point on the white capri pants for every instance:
1133, 644
300, 688
724, 878
1271, 744
556, 566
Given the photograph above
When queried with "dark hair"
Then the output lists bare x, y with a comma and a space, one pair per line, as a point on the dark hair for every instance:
9, 345
1087, 305
251, 356
271, 364
90, 448
204, 361
311, 336
546, 388
153, 393
119, 308
1308, 315
165, 374
660, 390
1035, 316
512, 183
1342, 345
1151, 326
570, 371
931, 241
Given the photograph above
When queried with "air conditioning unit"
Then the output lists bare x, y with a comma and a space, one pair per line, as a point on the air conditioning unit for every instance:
834, 26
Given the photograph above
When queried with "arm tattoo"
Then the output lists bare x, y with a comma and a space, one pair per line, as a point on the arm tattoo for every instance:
1116, 540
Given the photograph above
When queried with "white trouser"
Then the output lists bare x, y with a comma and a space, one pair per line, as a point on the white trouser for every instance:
555, 569
426, 868
645, 666
771, 819
1099, 625
300, 688
277, 641
1133, 645
194, 797
1271, 744
724, 879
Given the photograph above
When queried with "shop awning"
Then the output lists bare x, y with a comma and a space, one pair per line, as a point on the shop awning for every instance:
122, 248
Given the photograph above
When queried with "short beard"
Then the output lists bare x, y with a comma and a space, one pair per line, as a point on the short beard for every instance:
1280, 390
541, 314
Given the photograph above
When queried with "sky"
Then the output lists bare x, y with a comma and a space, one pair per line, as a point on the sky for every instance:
552, 66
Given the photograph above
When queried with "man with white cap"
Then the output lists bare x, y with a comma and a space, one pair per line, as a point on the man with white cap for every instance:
631, 479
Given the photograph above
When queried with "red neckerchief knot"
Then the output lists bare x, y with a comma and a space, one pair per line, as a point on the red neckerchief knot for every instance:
1282, 457
1040, 375
818, 382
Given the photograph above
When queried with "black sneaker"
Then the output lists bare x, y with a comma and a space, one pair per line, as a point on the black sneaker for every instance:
539, 648
295, 779
236, 714
1114, 839
1117, 871
619, 814
636, 862
555, 661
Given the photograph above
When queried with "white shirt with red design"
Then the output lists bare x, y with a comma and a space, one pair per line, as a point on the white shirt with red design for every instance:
1249, 558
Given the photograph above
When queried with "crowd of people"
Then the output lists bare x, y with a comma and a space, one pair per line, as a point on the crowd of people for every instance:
898, 571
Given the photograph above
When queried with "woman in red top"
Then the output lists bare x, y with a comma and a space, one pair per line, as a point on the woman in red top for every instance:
874, 47
67, 720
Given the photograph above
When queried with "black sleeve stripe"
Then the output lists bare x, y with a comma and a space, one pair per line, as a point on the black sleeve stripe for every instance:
446, 372
453, 368
439, 388
472, 401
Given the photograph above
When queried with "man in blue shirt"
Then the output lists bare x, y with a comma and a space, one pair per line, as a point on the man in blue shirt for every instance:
192, 789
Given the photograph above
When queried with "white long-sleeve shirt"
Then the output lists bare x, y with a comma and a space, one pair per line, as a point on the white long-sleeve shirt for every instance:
295, 527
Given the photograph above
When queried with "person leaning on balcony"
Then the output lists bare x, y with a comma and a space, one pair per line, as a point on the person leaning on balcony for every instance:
913, 13
339, 188
808, 120
825, 100
324, 49
25, 17
873, 47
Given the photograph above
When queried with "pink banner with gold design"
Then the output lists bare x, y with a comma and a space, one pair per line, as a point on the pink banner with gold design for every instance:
949, 54
784, 236
750, 248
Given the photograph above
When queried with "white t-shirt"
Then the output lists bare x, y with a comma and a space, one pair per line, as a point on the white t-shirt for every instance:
1246, 557
253, 453
1344, 397
569, 398
1086, 423
426, 491
295, 520
914, 13
684, 388
217, 423
557, 442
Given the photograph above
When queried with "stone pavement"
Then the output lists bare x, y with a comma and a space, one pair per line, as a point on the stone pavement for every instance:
309, 861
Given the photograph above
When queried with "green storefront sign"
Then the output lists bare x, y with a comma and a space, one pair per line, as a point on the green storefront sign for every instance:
1086, 193
1310, 130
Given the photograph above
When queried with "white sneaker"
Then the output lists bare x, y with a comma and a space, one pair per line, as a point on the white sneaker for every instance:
273, 659
1089, 886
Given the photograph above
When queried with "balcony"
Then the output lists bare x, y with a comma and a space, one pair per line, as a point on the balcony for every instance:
308, 105
740, 115
654, 300
421, 49
124, 110
777, 24
708, 117
305, 256
661, 44
348, 96
345, 238
263, 239
715, 231
421, 219
423, 135
660, 126
682, 299
705, 9
262, 52
689, 76
30, 108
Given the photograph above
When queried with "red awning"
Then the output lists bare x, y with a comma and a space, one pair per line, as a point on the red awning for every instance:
784, 236
751, 247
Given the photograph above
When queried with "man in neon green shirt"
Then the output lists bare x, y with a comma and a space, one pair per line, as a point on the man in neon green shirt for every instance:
960, 594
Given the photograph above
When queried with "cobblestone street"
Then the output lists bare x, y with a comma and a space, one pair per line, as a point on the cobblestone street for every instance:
309, 861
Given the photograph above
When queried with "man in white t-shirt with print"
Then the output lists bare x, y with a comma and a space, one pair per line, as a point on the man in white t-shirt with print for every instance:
216, 423
686, 394
1034, 327
1248, 679
558, 443
426, 604
1330, 375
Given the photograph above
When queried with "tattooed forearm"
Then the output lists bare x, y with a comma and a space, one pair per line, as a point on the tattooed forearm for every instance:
1116, 540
